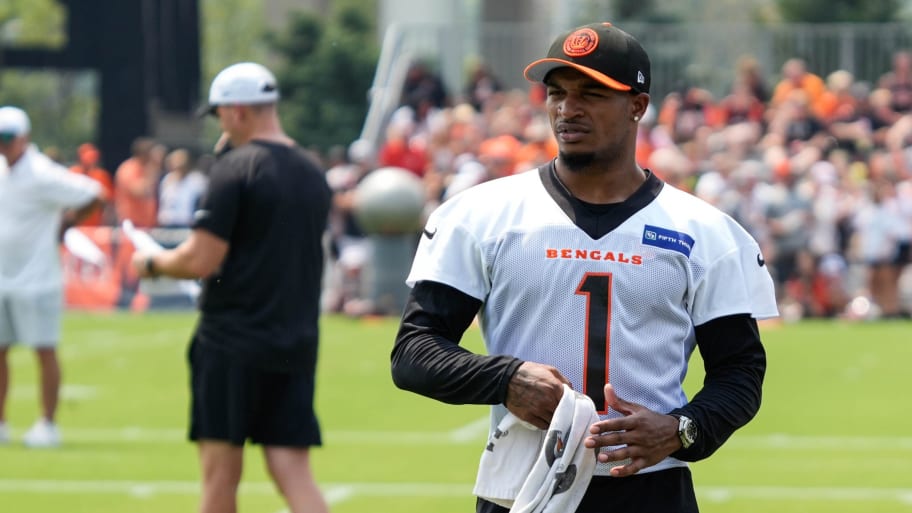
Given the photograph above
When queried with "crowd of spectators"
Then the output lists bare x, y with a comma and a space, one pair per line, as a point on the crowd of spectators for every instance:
816, 168
155, 187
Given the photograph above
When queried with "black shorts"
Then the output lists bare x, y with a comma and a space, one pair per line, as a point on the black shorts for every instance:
668, 491
235, 402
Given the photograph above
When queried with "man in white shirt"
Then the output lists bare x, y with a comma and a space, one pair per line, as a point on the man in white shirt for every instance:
38, 198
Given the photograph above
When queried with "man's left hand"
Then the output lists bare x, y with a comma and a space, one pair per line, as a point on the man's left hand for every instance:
648, 436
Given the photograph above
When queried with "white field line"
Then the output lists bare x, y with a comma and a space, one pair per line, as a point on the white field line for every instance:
815, 442
476, 430
109, 343
334, 493
72, 391
340, 492
797, 493
337, 494
474, 434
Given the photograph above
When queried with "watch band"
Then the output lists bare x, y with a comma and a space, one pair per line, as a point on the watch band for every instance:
150, 266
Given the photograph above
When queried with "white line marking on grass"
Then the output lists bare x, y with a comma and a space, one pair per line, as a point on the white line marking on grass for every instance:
407, 489
339, 492
333, 492
70, 391
797, 493
110, 343
812, 442
474, 433
131, 435
470, 433
393, 438
65, 486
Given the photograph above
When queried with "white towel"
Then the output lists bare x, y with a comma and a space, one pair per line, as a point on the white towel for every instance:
533, 471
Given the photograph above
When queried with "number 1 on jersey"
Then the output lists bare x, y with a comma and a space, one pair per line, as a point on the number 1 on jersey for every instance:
597, 289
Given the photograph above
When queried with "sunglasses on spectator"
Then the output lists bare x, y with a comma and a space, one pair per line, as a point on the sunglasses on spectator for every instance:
7, 137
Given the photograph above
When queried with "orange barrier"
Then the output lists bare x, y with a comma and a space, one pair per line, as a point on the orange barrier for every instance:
111, 285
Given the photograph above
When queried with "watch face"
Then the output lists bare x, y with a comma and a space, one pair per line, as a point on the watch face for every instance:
691, 431
687, 431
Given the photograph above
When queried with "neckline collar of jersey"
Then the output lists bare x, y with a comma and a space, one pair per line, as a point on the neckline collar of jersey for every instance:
594, 223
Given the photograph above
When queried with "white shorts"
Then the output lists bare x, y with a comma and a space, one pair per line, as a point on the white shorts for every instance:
31, 318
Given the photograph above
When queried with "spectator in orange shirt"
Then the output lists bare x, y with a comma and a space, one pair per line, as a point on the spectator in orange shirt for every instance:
838, 102
136, 183
795, 76
88, 165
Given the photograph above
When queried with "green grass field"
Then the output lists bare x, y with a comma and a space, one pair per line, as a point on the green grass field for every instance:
834, 434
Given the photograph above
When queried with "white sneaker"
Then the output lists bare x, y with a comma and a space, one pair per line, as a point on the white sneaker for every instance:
4, 433
42, 434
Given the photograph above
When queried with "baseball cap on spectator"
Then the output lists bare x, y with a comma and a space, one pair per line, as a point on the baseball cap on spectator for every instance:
244, 83
14, 122
602, 51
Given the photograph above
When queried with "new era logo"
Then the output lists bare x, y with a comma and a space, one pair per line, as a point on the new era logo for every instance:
641, 79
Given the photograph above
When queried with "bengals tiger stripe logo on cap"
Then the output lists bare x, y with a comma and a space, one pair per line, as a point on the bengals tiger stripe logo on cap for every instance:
602, 51
582, 42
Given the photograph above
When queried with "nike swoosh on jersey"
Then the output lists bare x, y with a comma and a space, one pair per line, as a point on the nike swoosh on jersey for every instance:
430, 234
760, 261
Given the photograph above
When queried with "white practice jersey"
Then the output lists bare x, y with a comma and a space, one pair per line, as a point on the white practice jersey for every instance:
621, 308
33, 195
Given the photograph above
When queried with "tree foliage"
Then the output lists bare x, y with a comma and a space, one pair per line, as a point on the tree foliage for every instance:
840, 11
32, 22
328, 67
231, 31
63, 105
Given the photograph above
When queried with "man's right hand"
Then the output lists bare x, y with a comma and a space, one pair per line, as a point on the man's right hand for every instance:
534, 392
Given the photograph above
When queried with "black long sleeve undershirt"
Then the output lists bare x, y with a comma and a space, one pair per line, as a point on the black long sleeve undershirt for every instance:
735, 363
428, 360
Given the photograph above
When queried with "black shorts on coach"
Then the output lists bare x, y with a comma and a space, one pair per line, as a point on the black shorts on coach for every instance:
235, 402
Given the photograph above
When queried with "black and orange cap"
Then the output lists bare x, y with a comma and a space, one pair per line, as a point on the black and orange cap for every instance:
601, 51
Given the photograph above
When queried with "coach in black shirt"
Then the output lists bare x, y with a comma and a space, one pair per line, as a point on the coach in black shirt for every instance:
256, 242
